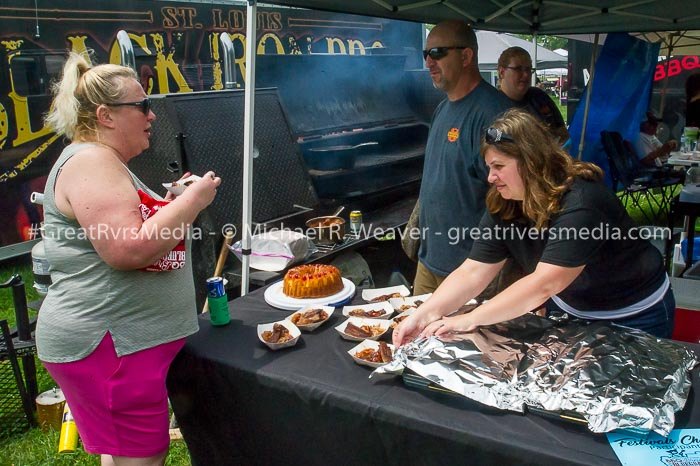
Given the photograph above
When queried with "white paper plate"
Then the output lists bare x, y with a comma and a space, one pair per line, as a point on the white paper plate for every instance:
293, 330
370, 294
178, 187
360, 322
398, 303
275, 297
308, 328
364, 345
381, 306
395, 320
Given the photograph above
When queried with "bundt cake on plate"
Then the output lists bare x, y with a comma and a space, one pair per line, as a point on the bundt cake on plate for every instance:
312, 281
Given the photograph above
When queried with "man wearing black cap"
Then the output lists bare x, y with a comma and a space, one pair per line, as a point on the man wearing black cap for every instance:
649, 149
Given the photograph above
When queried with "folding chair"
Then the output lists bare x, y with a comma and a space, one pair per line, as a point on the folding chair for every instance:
635, 184
664, 180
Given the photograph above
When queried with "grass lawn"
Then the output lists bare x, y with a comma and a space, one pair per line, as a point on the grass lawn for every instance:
34, 447
562, 108
39, 448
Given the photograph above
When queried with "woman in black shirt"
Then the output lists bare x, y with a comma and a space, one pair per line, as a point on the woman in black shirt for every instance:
569, 233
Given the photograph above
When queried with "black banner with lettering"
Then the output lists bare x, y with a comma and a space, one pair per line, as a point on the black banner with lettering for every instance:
177, 50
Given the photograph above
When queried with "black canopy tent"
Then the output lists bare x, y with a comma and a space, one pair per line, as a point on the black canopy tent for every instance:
528, 16
517, 16
553, 17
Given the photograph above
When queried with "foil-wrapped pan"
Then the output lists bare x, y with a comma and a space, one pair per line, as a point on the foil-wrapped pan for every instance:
614, 377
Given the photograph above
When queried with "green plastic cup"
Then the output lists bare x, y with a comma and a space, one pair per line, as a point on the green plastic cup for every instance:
691, 133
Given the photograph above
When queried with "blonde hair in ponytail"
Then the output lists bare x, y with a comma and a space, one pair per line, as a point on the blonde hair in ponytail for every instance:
80, 91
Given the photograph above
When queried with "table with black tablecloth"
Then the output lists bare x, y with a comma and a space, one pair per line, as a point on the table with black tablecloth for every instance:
237, 402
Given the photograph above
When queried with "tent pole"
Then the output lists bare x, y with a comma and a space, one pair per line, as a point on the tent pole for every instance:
588, 98
561, 84
663, 90
533, 78
248, 141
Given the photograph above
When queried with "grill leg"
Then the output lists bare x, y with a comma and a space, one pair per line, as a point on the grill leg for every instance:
24, 395
24, 332
29, 366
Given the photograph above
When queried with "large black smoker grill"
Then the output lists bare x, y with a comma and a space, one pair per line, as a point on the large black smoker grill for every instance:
321, 101
335, 102
204, 131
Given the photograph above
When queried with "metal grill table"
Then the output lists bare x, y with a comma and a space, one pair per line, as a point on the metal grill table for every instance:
15, 403
348, 240
24, 346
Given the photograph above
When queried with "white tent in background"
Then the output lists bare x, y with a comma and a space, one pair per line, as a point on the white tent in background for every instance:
672, 42
553, 72
492, 44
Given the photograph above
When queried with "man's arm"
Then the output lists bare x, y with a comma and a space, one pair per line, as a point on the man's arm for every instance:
663, 151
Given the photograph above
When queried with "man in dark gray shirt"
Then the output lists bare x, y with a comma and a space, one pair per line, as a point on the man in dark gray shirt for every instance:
454, 175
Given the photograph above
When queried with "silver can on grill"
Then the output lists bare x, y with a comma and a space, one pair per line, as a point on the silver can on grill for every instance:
356, 221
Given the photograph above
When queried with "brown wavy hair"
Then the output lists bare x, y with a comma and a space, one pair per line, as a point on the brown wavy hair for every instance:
546, 170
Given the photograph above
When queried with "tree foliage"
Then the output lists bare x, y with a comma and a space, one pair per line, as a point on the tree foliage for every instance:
548, 42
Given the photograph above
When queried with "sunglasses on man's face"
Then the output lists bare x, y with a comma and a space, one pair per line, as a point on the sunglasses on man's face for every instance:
495, 135
144, 105
436, 53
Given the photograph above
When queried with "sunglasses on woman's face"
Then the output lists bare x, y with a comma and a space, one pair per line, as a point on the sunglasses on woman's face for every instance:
144, 105
437, 53
495, 135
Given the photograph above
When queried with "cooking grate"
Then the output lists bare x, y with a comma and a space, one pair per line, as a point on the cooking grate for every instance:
348, 239
399, 155
15, 405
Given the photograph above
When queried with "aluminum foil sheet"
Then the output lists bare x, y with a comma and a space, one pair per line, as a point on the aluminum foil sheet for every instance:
614, 378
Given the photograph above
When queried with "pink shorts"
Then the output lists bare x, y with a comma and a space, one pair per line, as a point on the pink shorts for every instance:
120, 404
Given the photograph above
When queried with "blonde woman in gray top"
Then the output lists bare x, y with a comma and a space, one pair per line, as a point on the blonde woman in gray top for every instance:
122, 298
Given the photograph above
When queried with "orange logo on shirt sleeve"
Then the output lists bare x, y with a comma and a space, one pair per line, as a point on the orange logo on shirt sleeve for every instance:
453, 134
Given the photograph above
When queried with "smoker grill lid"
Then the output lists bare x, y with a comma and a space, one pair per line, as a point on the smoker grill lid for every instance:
323, 94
